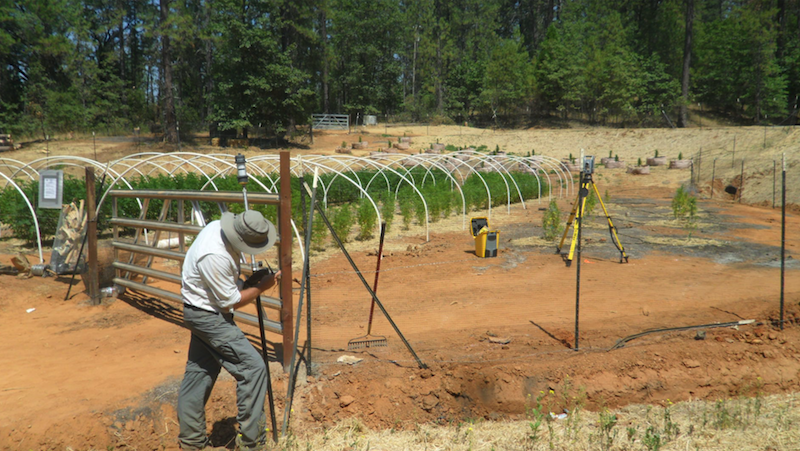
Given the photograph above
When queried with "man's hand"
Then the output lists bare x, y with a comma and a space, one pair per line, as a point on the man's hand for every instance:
267, 281
256, 278
262, 282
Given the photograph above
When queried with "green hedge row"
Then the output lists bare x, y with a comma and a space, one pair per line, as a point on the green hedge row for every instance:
346, 205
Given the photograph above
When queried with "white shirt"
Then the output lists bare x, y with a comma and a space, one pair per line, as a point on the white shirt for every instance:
210, 271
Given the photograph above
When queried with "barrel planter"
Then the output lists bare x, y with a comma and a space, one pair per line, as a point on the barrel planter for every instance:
680, 164
639, 170
656, 161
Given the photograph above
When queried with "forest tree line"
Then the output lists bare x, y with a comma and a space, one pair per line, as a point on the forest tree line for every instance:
171, 66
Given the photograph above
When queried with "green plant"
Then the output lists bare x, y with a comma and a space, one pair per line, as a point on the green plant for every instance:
407, 207
367, 218
608, 422
652, 439
656, 153
684, 205
359, 138
420, 212
551, 222
319, 232
616, 157
571, 159
631, 430
344, 145
388, 204
680, 155
671, 429
609, 153
342, 222
591, 202
639, 162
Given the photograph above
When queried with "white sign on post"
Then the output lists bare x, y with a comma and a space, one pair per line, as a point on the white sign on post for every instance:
51, 184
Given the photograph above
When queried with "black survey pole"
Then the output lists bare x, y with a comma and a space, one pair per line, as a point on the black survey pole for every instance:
241, 172
774, 177
783, 232
582, 193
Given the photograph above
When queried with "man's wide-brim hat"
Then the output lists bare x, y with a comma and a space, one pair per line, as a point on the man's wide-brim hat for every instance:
248, 232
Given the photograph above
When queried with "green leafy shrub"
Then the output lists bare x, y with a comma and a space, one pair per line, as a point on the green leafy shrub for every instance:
591, 202
684, 205
367, 218
388, 205
406, 201
551, 222
342, 221
419, 211
319, 233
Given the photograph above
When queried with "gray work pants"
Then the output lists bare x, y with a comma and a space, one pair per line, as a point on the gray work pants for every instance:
217, 342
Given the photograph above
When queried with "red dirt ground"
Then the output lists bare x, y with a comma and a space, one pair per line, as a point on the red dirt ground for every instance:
81, 376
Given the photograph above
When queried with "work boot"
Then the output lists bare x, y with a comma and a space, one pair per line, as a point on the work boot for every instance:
206, 447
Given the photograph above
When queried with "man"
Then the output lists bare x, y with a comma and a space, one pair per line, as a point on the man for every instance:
210, 294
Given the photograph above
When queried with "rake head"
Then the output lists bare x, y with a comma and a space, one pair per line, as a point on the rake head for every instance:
367, 341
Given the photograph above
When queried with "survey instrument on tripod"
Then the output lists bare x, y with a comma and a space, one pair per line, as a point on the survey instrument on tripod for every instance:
577, 213
369, 340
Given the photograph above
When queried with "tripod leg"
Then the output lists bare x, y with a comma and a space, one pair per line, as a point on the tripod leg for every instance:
612, 230
569, 224
582, 204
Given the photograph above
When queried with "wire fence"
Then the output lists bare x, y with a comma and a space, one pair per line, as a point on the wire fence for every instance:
453, 307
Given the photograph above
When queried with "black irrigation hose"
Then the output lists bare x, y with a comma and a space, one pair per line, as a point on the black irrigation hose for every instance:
621, 342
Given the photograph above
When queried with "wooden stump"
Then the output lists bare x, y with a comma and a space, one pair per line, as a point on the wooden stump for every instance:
656, 161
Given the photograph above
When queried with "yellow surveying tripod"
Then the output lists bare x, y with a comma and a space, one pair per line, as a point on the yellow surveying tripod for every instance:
577, 213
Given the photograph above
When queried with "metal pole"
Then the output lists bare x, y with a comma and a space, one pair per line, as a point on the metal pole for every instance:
733, 156
287, 406
774, 177
243, 181
783, 232
582, 193
94, 147
741, 182
91, 231
713, 174
285, 255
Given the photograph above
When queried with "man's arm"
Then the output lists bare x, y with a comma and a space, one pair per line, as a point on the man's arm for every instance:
250, 294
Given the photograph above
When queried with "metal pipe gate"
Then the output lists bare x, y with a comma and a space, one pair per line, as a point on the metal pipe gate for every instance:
135, 270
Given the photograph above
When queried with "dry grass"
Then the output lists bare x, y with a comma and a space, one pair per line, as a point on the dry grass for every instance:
760, 423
